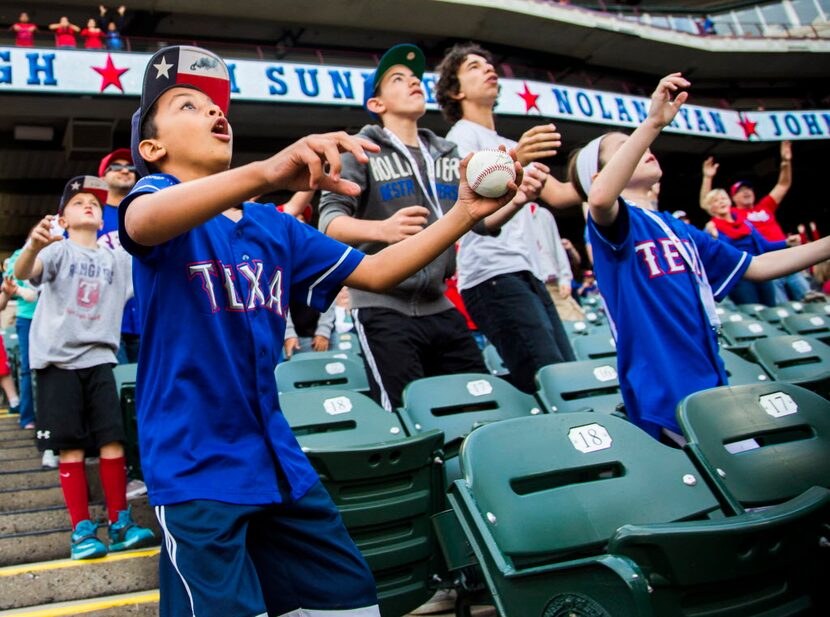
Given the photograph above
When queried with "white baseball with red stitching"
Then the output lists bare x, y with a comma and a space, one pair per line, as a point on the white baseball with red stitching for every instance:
489, 171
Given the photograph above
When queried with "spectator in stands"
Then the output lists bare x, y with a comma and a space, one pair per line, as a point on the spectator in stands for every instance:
93, 35
26, 298
248, 527
821, 272
660, 275
343, 321
118, 171
74, 338
65, 33
7, 290
588, 286
762, 214
681, 215
24, 31
412, 331
113, 27
507, 301
742, 234
706, 26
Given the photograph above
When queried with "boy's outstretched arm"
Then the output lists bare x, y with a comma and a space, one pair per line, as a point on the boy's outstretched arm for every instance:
155, 218
614, 177
776, 264
399, 261
28, 265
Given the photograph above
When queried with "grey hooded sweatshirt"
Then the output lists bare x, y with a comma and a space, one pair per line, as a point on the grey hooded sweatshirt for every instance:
387, 185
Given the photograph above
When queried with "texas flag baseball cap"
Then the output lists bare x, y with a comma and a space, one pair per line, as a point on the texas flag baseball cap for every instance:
406, 54
84, 184
182, 66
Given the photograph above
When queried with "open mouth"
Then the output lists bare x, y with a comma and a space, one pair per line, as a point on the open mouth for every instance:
221, 129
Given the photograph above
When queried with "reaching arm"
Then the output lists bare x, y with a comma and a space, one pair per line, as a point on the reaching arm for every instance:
28, 265
781, 263
155, 218
710, 168
614, 177
559, 194
535, 177
395, 263
785, 173
404, 223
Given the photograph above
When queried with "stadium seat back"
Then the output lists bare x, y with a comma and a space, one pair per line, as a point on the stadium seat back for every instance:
494, 362
325, 418
581, 385
742, 333
578, 327
741, 371
801, 360
821, 308
337, 373
761, 444
594, 346
562, 484
332, 355
387, 494
753, 310
808, 324
774, 314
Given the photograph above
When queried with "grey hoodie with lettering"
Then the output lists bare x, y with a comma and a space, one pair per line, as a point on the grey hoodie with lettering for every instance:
387, 185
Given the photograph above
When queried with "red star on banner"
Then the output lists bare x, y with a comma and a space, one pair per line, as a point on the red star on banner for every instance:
748, 126
110, 75
530, 99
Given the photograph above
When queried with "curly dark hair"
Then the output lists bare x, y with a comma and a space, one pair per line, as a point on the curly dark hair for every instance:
448, 84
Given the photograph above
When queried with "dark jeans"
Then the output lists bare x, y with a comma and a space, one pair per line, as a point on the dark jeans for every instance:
128, 350
398, 349
749, 292
516, 314
27, 401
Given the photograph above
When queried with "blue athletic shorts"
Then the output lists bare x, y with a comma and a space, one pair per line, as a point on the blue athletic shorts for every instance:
292, 558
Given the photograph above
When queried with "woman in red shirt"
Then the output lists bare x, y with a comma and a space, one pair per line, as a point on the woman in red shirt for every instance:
64, 33
93, 36
24, 31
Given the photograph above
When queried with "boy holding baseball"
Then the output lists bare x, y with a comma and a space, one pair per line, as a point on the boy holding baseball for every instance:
248, 528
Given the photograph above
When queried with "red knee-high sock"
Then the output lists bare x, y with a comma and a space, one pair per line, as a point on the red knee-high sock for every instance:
73, 483
114, 480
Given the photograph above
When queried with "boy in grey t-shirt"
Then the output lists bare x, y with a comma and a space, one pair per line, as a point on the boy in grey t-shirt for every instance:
73, 341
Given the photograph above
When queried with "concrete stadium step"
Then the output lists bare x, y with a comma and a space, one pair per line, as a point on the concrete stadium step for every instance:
22, 464
31, 498
29, 478
138, 604
41, 535
64, 580
14, 452
10, 439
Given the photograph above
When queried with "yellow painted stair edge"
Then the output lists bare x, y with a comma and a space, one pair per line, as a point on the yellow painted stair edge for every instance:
69, 563
78, 607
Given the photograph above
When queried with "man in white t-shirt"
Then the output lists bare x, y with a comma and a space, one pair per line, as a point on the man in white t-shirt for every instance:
496, 274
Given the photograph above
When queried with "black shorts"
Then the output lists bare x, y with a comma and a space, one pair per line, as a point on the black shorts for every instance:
77, 409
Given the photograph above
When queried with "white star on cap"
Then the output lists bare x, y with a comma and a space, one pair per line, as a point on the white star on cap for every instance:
163, 68
76, 186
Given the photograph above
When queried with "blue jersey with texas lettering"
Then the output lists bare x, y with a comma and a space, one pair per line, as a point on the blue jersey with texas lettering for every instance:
666, 348
212, 303
108, 238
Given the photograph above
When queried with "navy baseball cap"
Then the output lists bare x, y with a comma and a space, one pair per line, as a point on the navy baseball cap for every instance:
179, 66
84, 184
408, 55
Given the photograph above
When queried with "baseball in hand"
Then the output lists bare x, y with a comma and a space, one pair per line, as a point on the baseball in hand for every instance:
489, 171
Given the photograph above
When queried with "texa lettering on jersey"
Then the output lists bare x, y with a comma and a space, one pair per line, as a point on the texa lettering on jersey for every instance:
238, 287
660, 257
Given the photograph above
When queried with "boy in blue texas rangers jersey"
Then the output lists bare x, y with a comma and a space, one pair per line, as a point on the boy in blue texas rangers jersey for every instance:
248, 528
660, 277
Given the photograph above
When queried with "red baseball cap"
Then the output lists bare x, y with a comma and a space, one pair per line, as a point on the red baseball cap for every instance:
121, 153
738, 186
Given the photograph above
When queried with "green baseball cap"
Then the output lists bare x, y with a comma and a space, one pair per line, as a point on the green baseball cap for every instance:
406, 54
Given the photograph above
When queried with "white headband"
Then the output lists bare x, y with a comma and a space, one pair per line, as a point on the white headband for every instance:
587, 163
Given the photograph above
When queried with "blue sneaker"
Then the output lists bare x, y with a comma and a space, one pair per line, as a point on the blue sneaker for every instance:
85, 542
124, 533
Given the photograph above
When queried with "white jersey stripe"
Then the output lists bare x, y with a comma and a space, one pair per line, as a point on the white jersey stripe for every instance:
732, 274
325, 274
370, 360
172, 547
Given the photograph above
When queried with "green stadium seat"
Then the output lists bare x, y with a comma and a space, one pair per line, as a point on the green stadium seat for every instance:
579, 327
346, 341
739, 334
493, 361
734, 316
580, 514
796, 359
822, 308
337, 373
728, 304
577, 386
324, 418
456, 404
125, 379
329, 355
753, 310
594, 346
387, 494
794, 306
774, 314
759, 444
741, 371
808, 324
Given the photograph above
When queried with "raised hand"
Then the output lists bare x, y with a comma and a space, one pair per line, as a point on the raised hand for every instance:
537, 143
710, 167
663, 108
478, 207
404, 223
533, 182
41, 235
314, 163
786, 151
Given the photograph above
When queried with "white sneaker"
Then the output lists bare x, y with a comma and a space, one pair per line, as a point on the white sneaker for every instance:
49, 460
135, 489
441, 602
